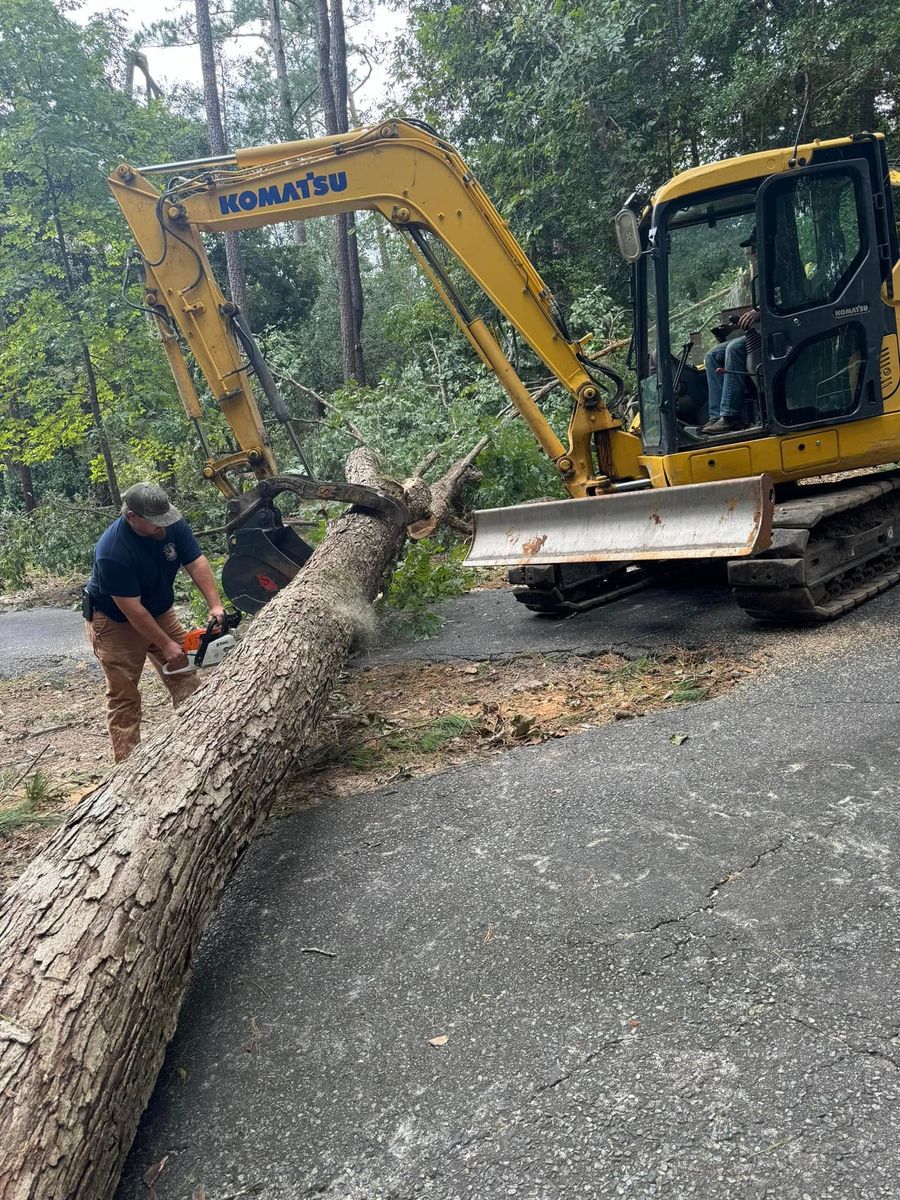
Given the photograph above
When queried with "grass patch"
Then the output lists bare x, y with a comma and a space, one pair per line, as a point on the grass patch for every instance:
440, 731
688, 692
23, 811
362, 758
634, 668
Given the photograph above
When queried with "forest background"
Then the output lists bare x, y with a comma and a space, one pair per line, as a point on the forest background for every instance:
562, 109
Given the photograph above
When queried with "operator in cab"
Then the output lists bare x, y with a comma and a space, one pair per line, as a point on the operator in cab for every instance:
128, 605
726, 363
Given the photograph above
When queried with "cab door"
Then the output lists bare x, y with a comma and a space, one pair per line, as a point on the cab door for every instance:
821, 316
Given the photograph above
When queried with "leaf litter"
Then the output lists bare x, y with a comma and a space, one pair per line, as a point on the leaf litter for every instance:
388, 723
383, 724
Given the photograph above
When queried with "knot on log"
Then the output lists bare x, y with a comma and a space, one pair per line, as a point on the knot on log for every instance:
12, 1031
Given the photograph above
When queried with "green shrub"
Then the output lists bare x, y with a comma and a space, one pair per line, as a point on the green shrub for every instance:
426, 574
57, 538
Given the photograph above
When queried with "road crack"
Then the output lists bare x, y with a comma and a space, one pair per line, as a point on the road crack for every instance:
853, 1050
712, 896
577, 1068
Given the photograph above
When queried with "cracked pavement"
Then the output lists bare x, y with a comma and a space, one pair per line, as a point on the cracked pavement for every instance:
661, 970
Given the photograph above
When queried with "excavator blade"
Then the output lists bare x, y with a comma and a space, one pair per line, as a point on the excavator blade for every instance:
727, 519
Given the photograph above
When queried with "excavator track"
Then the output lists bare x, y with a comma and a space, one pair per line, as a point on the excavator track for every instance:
563, 589
833, 547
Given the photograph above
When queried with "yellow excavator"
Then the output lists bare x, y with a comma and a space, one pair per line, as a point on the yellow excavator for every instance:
650, 477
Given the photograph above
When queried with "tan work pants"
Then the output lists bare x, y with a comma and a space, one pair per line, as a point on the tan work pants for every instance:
122, 652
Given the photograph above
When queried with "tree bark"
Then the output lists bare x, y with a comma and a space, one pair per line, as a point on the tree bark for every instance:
237, 280
332, 68
98, 936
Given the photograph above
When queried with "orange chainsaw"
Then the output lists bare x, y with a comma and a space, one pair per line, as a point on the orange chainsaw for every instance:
207, 646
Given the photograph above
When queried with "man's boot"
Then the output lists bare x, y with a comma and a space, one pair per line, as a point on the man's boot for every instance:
723, 424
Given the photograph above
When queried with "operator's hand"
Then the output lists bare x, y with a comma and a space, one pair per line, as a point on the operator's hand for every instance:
217, 614
176, 659
748, 319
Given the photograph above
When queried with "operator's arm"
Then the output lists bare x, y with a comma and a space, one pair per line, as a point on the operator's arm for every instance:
749, 320
201, 573
139, 617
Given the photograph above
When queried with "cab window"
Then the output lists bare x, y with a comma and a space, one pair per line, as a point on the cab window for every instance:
816, 239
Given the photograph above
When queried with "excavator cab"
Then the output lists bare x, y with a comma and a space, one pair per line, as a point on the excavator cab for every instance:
810, 248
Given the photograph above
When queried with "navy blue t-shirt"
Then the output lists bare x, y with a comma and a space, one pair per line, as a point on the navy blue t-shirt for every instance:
126, 564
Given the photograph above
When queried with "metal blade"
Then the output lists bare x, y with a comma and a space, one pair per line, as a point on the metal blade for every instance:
727, 519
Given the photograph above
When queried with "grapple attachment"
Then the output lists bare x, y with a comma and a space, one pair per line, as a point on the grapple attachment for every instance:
264, 554
726, 519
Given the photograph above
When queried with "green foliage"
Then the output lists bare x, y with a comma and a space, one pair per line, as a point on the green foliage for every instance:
427, 574
562, 107
58, 538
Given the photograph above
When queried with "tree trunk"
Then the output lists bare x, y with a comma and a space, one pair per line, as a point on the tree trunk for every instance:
285, 103
94, 403
332, 68
20, 469
237, 281
98, 936
376, 219
26, 484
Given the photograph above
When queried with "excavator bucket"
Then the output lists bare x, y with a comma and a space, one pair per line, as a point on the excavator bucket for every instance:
726, 519
264, 556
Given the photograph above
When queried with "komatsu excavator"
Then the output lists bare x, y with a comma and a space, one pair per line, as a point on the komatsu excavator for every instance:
646, 478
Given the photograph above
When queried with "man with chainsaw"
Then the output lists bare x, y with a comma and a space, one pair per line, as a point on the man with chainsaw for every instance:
128, 606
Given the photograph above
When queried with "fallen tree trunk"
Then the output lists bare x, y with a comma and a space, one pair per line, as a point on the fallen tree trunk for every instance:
97, 937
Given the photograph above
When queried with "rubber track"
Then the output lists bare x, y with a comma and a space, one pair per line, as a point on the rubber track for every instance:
846, 587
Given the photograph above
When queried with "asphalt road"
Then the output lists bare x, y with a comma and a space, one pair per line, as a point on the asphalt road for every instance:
482, 625
36, 639
661, 970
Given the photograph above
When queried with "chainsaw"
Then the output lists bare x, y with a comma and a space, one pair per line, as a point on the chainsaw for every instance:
207, 646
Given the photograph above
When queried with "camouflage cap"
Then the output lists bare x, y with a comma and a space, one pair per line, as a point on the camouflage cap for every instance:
148, 500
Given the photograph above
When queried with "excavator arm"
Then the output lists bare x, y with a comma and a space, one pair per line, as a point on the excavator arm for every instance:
420, 185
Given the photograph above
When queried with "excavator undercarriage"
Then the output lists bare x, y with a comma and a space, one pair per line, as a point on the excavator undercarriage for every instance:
834, 546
